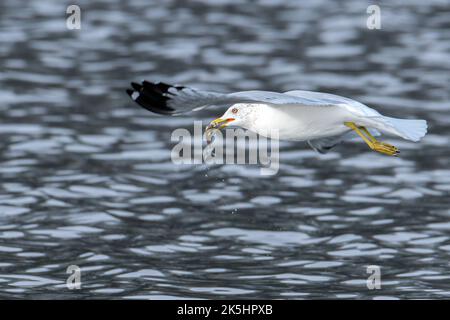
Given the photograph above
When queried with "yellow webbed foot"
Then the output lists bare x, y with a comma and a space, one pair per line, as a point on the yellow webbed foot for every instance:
384, 148
373, 143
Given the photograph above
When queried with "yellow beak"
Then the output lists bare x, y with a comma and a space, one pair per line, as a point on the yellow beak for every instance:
219, 123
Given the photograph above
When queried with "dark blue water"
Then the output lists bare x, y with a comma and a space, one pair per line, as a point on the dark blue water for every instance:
86, 176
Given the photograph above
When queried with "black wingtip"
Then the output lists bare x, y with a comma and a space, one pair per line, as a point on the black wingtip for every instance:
136, 86
152, 96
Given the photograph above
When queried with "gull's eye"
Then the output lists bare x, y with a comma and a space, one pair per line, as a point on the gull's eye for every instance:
234, 110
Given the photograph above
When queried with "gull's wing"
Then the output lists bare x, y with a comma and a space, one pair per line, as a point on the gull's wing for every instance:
166, 99
335, 100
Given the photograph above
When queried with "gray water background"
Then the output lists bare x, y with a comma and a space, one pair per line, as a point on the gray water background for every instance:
86, 177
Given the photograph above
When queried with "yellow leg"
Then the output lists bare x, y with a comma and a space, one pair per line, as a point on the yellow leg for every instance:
368, 134
373, 143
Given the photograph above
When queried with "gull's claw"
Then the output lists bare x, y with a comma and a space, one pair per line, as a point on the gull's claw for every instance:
373, 143
384, 148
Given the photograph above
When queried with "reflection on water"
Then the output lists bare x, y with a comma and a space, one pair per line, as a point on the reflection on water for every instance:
87, 180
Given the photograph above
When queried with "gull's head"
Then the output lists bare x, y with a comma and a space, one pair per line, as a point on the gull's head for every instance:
238, 115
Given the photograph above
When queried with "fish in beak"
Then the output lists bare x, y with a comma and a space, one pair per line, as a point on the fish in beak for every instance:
216, 124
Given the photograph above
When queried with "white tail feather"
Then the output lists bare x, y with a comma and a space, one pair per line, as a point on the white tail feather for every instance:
412, 130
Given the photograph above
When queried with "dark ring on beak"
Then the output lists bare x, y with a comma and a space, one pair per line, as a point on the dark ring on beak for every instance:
219, 123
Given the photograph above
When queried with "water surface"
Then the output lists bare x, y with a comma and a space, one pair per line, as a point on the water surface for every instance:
86, 176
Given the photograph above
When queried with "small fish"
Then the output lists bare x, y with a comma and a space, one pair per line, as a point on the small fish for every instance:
210, 134
213, 127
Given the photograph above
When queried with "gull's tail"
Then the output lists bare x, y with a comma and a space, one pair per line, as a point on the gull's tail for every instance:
412, 130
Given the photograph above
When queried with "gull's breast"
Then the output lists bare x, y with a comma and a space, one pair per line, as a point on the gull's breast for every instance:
295, 122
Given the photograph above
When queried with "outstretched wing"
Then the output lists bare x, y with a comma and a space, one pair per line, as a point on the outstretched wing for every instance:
167, 99
351, 105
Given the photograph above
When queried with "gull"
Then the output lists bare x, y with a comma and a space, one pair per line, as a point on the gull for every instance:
323, 120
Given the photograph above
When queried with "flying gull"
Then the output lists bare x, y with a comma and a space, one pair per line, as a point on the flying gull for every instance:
322, 119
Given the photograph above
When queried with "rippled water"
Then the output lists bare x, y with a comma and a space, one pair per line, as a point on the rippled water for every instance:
87, 180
